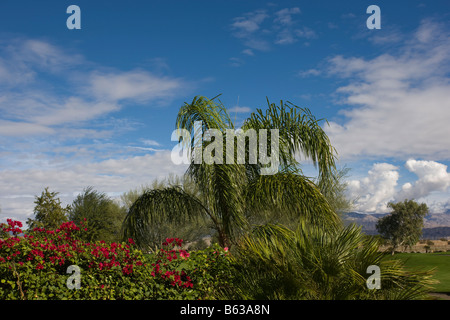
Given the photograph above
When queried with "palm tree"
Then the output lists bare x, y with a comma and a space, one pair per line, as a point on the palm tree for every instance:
236, 196
274, 262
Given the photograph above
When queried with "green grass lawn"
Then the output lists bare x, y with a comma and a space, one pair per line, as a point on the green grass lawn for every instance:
426, 261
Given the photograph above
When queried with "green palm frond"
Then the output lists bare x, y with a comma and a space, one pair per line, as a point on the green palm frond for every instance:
212, 115
170, 203
221, 187
311, 263
290, 195
300, 132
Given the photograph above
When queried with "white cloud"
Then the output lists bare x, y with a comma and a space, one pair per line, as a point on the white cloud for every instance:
285, 36
20, 59
236, 62
432, 176
149, 142
31, 104
73, 110
136, 85
238, 109
306, 32
248, 24
16, 129
248, 52
260, 28
284, 16
400, 102
55, 129
374, 192
113, 176
309, 72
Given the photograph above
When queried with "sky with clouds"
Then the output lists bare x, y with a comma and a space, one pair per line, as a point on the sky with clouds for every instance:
97, 106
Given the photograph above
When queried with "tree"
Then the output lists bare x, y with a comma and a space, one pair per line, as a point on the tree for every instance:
233, 196
48, 211
335, 191
103, 216
404, 225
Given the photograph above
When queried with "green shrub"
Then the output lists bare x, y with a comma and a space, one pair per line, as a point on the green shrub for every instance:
206, 272
36, 266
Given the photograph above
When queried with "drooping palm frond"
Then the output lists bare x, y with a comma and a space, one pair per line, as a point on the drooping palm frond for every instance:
221, 187
292, 195
299, 132
211, 114
170, 203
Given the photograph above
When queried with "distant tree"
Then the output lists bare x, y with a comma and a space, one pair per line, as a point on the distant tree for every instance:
334, 190
404, 225
48, 211
103, 216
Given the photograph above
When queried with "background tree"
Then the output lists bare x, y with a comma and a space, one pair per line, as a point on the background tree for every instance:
233, 196
48, 212
404, 225
103, 215
334, 190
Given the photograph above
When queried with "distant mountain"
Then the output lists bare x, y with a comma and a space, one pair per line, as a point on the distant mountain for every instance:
436, 225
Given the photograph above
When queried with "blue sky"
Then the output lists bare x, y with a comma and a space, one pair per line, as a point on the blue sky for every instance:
97, 106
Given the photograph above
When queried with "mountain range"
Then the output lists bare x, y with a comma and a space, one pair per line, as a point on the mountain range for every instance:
436, 225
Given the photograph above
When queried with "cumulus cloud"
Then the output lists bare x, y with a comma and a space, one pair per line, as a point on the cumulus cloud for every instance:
374, 192
432, 176
397, 104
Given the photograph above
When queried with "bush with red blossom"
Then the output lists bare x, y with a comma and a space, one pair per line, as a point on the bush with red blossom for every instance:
34, 265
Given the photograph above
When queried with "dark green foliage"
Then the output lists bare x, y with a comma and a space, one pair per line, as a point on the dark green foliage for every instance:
404, 225
104, 216
48, 212
309, 263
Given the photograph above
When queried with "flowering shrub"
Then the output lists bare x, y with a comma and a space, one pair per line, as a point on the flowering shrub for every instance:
35, 265
205, 271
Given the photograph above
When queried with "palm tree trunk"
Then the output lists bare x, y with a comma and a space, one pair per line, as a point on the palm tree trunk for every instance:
224, 240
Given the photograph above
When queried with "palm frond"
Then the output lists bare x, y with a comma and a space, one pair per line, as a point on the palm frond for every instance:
291, 195
221, 188
170, 203
299, 132
312, 263
211, 114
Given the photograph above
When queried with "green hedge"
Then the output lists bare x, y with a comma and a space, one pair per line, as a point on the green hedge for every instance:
38, 266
